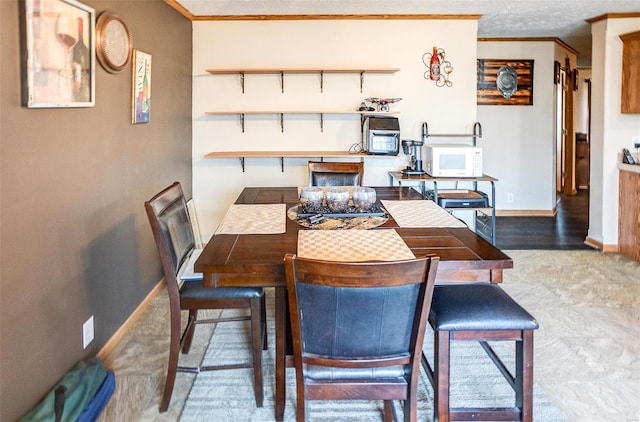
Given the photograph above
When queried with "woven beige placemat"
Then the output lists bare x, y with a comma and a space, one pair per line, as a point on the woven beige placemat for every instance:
420, 213
254, 219
353, 245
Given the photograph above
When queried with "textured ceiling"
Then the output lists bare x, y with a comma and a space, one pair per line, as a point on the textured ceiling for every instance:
563, 19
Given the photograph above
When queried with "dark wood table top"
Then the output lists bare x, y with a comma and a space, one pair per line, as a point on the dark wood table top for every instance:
258, 260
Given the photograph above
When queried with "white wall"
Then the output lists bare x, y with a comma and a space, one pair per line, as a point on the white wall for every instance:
317, 44
611, 130
519, 141
582, 101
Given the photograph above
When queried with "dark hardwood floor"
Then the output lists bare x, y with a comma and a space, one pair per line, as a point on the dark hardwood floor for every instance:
566, 231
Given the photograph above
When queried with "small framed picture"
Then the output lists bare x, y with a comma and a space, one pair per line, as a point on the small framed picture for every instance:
59, 64
576, 79
141, 87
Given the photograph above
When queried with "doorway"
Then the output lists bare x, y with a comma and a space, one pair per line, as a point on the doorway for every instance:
583, 135
561, 131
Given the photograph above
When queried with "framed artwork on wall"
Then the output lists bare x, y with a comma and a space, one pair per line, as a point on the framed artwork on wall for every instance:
141, 86
58, 62
505, 82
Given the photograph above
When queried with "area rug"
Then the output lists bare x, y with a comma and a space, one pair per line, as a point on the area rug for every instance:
223, 396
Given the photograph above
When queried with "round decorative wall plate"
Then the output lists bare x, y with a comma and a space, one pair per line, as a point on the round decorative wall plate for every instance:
113, 42
507, 81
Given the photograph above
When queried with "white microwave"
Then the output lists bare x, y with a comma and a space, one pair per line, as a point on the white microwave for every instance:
447, 160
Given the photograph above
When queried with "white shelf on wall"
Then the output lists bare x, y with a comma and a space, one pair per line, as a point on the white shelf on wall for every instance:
291, 154
295, 154
242, 113
283, 71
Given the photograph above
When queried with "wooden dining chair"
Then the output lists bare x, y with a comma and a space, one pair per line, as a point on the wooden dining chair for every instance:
358, 328
322, 173
172, 230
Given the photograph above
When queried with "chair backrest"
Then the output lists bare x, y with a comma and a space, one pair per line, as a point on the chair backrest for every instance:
195, 223
322, 173
172, 230
359, 314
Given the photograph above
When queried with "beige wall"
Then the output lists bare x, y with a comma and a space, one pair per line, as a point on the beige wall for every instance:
524, 134
75, 241
611, 130
318, 44
582, 100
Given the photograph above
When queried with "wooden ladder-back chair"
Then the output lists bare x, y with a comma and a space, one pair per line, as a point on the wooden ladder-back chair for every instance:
358, 328
322, 173
173, 234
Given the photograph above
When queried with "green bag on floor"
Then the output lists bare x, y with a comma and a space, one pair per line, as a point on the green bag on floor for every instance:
68, 398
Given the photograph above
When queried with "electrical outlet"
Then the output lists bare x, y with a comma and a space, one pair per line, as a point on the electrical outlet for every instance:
635, 140
87, 332
509, 198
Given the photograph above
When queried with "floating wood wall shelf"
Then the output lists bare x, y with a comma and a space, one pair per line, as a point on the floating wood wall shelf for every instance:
282, 72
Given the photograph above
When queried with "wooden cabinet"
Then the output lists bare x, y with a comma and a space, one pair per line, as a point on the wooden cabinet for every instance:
630, 100
629, 211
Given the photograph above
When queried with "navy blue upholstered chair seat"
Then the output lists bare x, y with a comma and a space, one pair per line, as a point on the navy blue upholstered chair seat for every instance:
193, 290
473, 307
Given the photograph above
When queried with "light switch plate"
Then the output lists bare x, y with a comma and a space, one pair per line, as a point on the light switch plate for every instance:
87, 332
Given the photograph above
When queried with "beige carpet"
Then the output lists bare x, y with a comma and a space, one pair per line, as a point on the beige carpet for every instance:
587, 353
228, 395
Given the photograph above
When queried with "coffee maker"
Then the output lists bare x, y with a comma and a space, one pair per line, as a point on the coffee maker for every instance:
413, 148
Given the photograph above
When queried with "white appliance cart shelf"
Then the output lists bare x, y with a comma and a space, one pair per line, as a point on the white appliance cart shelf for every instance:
485, 217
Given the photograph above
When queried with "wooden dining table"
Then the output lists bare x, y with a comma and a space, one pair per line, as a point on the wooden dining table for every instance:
258, 259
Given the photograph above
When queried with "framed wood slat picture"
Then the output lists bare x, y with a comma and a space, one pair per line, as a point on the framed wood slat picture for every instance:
505, 82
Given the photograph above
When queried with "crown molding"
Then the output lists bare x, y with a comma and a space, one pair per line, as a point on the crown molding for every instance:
531, 39
614, 16
184, 12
